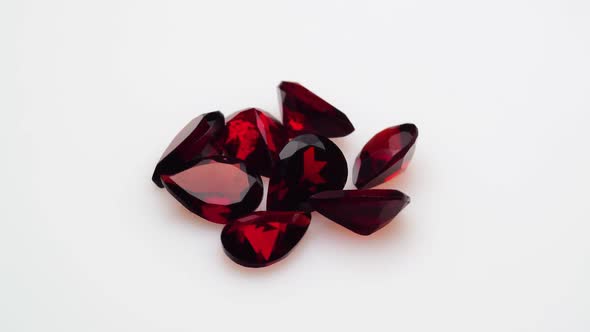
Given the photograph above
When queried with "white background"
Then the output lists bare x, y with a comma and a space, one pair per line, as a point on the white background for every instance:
496, 237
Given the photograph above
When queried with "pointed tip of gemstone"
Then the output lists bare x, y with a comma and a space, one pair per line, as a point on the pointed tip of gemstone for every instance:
385, 155
157, 179
198, 139
361, 211
263, 238
218, 188
305, 112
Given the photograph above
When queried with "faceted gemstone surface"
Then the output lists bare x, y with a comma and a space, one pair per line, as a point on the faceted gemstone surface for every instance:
309, 164
263, 238
362, 211
198, 139
218, 188
387, 154
255, 137
305, 112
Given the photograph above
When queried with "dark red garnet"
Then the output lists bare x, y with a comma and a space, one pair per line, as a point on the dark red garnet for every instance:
387, 154
263, 238
309, 164
362, 211
305, 112
217, 188
198, 139
255, 137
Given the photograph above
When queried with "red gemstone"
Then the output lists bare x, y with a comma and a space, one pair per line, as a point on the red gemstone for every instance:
263, 238
218, 189
305, 112
387, 154
198, 139
309, 164
255, 137
362, 211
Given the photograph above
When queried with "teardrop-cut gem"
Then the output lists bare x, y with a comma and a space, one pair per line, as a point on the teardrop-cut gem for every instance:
305, 112
218, 189
255, 137
387, 154
309, 164
263, 238
362, 211
198, 139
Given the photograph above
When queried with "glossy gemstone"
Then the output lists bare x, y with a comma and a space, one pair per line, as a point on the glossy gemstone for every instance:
362, 211
263, 238
305, 112
198, 139
255, 137
217, 188
387, 154
309, 164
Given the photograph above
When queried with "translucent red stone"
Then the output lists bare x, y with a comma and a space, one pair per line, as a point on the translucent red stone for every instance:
198, 139
263, 238
309, 164
305, 112
361, 211
218, 189
255, 137
387, 154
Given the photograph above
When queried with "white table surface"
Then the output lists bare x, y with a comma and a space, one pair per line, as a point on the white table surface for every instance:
496, 237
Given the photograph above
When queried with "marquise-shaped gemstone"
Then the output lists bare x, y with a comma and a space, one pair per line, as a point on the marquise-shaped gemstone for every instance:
198, 139
263, 238
305, 112
362, 211
308, 164
255, 137
218, 189
387, 154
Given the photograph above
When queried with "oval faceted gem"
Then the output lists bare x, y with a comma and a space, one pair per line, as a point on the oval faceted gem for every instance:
309, 164
387, 154
255, 137
362, 211
263, 238
196, 140
217, 188
305, 112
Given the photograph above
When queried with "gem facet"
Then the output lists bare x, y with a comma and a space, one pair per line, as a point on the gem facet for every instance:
218, 188
196, 140
305, 112
308, 164
387, 154
263, 238
255, 137
361, 211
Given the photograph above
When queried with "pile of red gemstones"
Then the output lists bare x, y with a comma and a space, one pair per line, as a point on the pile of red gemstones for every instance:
213, 168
